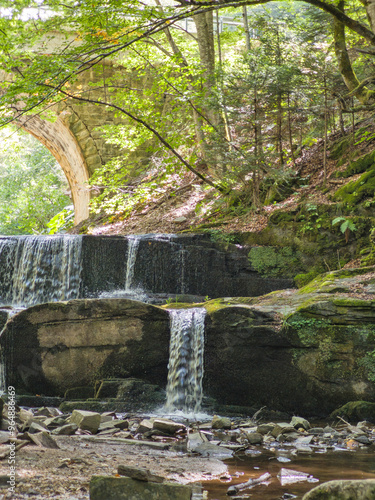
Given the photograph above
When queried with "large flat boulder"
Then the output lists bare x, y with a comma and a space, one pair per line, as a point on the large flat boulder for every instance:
52, 347
343, 490
126, 488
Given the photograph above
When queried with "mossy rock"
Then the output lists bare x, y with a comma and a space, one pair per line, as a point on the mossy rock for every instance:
356, 191
340, 147
276, 262
77, 393
355, 411
358, 166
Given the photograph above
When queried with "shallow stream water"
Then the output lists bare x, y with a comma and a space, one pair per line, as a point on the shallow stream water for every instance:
359, 464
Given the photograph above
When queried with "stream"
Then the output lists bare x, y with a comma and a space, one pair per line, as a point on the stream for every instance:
322, 467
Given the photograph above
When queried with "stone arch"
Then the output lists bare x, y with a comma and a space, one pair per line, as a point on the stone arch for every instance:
59, 140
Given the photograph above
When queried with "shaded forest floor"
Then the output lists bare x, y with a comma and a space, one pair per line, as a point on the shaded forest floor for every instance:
193, 207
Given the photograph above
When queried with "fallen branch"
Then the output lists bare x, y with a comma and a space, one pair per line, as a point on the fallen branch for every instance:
233, 490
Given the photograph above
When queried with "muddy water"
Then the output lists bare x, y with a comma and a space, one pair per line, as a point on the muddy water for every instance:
322, 467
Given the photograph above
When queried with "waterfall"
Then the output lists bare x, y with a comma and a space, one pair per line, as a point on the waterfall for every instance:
133, 244
40, 269
185, 368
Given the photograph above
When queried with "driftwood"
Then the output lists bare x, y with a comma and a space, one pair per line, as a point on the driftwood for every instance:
233, 490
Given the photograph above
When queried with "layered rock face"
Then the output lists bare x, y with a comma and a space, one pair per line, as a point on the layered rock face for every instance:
52, 347
306, 351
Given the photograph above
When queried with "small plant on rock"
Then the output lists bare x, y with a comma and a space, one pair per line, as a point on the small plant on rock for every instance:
347, 225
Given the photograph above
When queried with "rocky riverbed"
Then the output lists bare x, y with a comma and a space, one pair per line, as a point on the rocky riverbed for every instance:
58, 454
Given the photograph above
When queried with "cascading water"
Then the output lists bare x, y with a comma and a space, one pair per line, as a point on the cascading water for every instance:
185, 368
39, 269
133, 244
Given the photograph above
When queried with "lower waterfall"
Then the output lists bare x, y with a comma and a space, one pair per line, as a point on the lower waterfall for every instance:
185, 368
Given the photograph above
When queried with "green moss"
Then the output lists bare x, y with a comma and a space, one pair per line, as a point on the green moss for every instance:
368, 363
309, 330
340, 147
358, 166
273, 261
349, 302
328, 278
355, 411
356, 191
303, 279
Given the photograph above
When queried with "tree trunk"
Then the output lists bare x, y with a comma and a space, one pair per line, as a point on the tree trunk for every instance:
370, 10
345, 67
290, 131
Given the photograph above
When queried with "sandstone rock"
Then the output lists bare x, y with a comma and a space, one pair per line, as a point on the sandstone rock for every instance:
265, 428
139, 473
65, 430
114, 424
60, 345
36, 427
254, 438
43, 439
195, 439
168, 426
125, 488
4, 437
343, 490
53, 422
221, 422
47, 412
86, 420
300, 423
356, 410
282, 428
145, 426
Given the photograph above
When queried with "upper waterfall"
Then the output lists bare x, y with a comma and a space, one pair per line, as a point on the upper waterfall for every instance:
36, 269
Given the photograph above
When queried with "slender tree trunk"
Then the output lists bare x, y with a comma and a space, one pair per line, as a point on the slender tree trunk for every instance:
279, 104
290, 133
225, 111
246, 28
325, 129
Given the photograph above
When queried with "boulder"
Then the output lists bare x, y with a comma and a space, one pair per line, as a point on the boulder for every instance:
61, 345
221, 422
363, 489
168, 426
126, 488
254, 438
355, 411
300, 423
304, 351
86, 420
139, 473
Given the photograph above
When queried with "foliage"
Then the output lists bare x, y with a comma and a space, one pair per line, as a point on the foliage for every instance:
32, 185
368, 362
238, 126
346, 226
273, 262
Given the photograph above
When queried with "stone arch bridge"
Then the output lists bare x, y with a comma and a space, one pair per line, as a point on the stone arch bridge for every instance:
73, 137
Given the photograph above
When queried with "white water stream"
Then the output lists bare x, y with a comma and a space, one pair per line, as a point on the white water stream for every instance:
185, 368
41, 269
